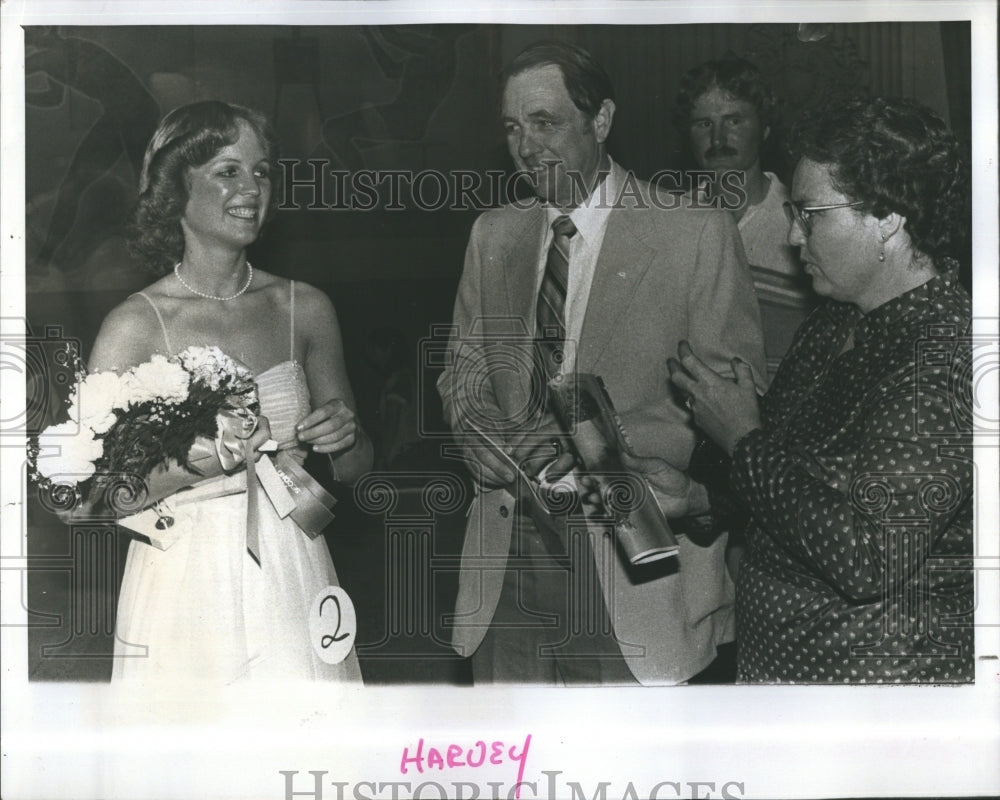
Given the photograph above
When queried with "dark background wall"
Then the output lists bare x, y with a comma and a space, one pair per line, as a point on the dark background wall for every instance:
391, 97
397, 97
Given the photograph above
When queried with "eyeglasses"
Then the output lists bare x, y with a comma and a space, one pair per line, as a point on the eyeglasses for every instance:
797, 212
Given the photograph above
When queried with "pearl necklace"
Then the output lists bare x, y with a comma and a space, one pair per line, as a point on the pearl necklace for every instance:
177, 272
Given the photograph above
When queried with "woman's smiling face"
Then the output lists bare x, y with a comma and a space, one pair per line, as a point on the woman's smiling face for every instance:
228, 197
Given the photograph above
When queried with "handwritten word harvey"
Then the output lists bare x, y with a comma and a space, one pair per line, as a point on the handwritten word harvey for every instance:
454, 756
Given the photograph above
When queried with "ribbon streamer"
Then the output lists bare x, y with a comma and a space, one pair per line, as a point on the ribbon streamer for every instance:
236, 425
253, 511
294, 492
290, 489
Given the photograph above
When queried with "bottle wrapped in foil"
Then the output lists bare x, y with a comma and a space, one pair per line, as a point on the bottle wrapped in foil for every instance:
591, 423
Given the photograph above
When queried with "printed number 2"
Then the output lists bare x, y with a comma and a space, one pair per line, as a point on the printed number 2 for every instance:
333, 624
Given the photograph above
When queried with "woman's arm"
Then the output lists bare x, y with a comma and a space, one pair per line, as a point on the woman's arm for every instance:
332, 426
123, 341
912, 475
128, 337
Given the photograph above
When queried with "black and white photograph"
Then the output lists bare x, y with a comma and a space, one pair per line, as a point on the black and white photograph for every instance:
414, 400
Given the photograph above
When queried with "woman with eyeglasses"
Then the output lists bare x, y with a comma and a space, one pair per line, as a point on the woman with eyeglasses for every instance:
856, 466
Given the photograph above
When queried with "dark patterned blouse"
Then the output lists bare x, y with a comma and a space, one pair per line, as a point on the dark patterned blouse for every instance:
858, 566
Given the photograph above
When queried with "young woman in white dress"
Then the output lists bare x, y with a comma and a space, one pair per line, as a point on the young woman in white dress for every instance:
202, 607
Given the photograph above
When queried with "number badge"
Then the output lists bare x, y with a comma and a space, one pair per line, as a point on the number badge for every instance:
332, 624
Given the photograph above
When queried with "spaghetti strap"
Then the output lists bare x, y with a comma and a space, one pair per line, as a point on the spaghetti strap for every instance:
291, 335
166, 338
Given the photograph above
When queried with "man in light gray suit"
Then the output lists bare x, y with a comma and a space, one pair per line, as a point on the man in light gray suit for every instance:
545, 598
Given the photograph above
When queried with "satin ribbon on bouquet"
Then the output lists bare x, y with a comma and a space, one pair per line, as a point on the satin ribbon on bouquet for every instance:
290, 489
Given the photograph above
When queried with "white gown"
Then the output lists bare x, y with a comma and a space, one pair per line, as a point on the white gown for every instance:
203, 608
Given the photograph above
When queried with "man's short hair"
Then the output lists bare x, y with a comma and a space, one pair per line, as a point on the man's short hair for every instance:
587, 84
734, 76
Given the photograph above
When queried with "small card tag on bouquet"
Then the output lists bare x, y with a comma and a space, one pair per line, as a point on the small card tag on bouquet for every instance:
150, 526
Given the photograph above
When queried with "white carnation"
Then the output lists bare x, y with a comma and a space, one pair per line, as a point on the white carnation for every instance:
67, 453
159, 379
96, 398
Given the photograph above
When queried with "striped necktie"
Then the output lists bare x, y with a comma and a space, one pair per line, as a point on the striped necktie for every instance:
551, 309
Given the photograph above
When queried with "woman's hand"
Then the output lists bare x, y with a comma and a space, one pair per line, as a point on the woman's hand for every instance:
331, 428
726, 410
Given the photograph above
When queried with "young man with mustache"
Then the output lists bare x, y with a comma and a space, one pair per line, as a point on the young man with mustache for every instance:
727, 111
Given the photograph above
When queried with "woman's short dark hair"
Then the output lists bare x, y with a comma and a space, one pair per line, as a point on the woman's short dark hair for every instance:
734, 76
189, 136
893, 155
587, 84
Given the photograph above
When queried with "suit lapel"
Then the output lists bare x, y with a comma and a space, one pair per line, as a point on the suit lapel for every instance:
520, 271
621, 265
520, 268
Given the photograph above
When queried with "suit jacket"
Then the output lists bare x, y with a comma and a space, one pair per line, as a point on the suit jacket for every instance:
663, 275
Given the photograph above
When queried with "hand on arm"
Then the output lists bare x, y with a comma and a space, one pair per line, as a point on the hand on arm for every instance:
726, 410
53, 65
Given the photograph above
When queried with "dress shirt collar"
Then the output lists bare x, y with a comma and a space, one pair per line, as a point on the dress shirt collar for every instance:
591, 216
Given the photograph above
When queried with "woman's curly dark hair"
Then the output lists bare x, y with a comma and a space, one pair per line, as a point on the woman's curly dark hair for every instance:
894, 154
189, 136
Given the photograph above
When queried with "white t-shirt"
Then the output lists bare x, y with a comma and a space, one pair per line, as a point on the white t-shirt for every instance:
764, 230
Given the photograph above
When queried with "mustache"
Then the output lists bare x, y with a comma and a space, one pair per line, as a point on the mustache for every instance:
722, 150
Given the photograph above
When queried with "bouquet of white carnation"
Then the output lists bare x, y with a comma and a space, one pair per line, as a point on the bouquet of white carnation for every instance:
121, 427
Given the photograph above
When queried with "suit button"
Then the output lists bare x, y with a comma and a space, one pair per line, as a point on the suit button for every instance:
504, 512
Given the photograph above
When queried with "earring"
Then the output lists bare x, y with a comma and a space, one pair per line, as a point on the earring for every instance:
881, 252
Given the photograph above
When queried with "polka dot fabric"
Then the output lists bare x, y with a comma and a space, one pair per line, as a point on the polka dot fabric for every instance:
859, 562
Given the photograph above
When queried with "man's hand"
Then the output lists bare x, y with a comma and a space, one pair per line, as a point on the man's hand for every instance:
660, 428
531, 452
677, 494
490, 470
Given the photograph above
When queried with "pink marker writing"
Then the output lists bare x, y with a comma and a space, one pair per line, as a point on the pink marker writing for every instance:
455, 756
